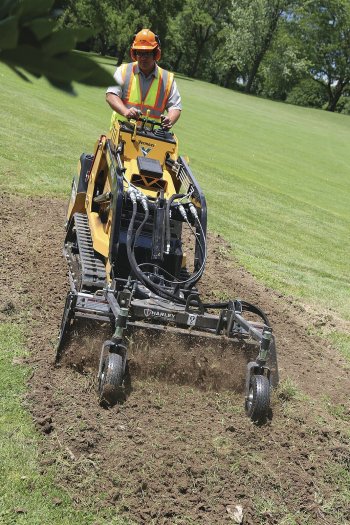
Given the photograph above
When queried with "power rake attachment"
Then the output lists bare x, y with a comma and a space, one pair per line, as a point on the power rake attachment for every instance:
125, 245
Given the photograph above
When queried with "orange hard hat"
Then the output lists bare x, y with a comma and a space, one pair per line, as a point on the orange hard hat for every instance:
146, 40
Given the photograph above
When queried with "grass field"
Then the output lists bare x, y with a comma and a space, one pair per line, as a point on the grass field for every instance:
276, 179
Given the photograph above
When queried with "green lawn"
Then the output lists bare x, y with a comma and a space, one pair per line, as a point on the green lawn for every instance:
277, 183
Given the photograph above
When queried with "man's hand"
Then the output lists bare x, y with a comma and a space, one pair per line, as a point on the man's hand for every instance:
171, 118
166, 122
117, 105
132, 113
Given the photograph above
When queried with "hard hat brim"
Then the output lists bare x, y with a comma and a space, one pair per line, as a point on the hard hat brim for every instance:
145, 46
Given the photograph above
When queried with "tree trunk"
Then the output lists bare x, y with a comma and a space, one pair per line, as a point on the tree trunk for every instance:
121, 55
335, 94
103, 45
193, 71
201, 40
177, 61
253, 71
230, 77
264, 47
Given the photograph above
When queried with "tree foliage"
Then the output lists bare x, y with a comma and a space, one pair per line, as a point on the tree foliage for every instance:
31, 42
283, 67
199, 22
250, 32
116, 21
323, 28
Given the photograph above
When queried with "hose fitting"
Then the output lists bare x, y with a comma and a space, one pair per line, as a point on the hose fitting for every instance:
144, 201
193, 210
132, 194
182, 211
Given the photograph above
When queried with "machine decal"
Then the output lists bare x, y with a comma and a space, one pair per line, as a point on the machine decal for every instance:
192, 319
156, 313
145, 151
141, 142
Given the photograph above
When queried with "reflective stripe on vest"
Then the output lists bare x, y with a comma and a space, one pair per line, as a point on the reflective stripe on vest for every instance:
156, 97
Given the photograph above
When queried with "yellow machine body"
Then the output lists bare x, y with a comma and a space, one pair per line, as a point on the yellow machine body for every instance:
134, 145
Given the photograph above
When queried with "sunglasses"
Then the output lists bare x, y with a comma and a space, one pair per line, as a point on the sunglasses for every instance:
144, 53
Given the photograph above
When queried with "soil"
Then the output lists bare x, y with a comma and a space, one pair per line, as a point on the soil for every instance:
180, 449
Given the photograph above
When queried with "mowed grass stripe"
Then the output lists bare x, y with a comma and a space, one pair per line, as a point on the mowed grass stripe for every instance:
288, 149
43, 134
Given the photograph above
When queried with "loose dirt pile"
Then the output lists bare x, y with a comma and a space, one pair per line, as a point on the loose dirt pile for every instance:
179, 451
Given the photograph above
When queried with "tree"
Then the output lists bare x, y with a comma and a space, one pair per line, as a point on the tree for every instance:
160, 14
114, 22
31, 42
283, 66
249, 35
308, 93
195, 27
324, 34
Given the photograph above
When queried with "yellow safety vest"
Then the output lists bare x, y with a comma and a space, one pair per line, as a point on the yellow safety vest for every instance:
156, 97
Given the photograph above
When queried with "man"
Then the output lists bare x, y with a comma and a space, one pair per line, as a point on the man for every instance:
143, 85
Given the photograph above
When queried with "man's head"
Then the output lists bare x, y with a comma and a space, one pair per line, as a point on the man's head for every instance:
145, 49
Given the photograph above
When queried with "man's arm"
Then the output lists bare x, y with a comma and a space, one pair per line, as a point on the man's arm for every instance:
117, 105
114, 97
172, 117
173, 107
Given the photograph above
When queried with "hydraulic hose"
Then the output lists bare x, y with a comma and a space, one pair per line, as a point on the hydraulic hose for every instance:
159, 290
248, 307
196, 276
140, 228
192, 279
167, 218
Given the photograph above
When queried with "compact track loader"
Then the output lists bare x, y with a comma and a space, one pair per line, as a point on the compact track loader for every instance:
126, 255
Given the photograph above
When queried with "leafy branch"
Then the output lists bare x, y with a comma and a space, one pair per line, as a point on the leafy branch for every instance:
32, 43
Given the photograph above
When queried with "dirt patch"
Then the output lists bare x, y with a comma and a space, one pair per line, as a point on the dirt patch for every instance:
83, 346
186, 360
174, 453
180, 359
